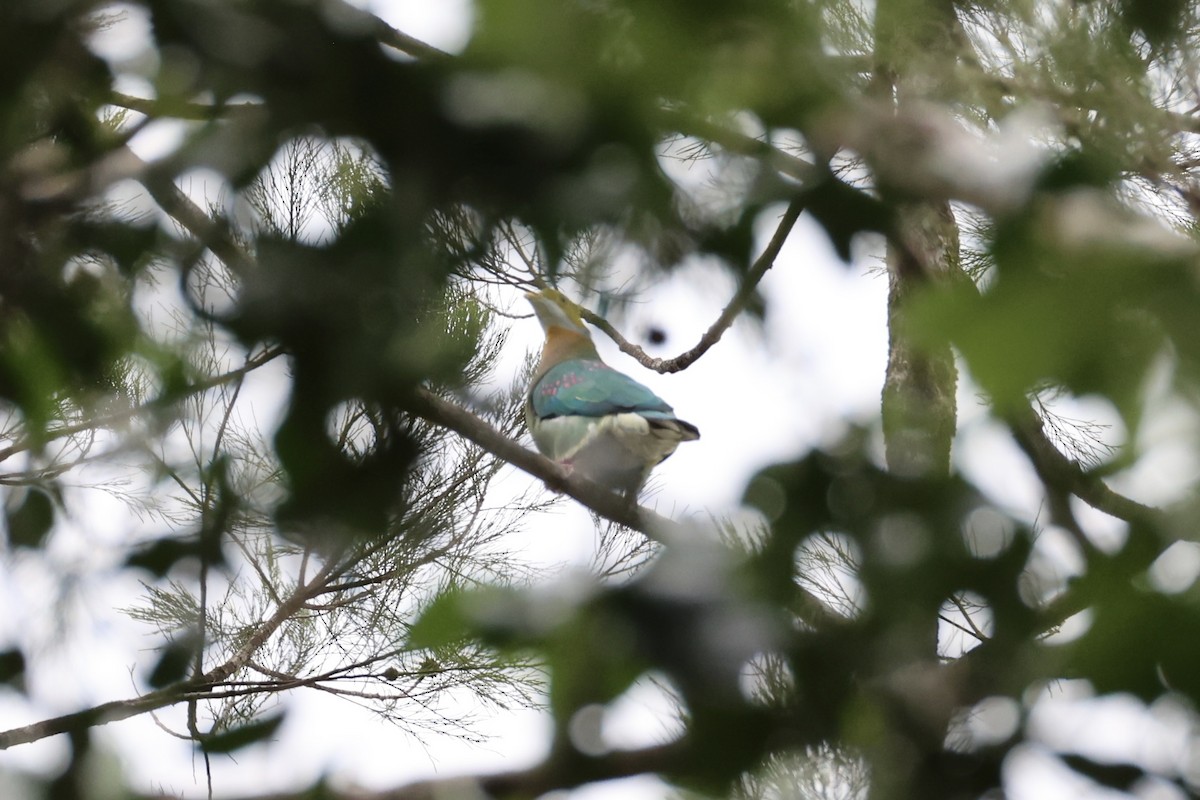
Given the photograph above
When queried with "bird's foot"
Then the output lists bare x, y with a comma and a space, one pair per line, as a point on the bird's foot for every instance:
568, 469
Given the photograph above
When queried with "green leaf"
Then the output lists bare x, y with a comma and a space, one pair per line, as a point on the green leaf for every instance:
1119, 776
242, 736
345, 496
499, 616
592, 660
159, 557
1160, 20
443, 623
844, 211
12, 667
176, 659
1141, 642
29, 523
1086, 316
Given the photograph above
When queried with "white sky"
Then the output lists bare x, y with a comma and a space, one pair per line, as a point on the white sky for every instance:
760, 396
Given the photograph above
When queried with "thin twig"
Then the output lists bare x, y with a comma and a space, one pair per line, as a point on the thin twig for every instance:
962, 609
212, 233
199, 688
736, 305
1058, 471
158, 404
609, 505
734, 141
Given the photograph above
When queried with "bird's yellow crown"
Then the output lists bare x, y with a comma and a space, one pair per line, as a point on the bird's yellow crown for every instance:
554, 309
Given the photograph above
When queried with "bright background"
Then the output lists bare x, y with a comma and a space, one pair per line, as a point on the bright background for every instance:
766, 393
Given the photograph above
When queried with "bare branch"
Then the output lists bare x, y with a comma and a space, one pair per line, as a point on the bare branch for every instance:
736, 305
212, 233
971, 628
405, 43
200, 112
429, 406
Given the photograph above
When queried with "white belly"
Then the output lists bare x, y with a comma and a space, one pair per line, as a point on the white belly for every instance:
615, 450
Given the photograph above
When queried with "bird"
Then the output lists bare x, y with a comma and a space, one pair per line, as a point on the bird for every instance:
587, 416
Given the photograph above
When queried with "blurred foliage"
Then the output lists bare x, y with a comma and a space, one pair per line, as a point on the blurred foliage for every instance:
1059, 137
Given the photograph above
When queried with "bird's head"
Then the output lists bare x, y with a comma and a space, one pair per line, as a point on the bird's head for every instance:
554, 310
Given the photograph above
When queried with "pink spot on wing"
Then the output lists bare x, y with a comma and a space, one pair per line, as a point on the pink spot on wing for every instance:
562, 382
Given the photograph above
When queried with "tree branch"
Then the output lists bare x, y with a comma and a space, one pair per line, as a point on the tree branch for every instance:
179, 109
91, 717
157, 404
734, 141
212, 233
410, 45
609, 505
736, 305
1057, 470
176, 693
564, 770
